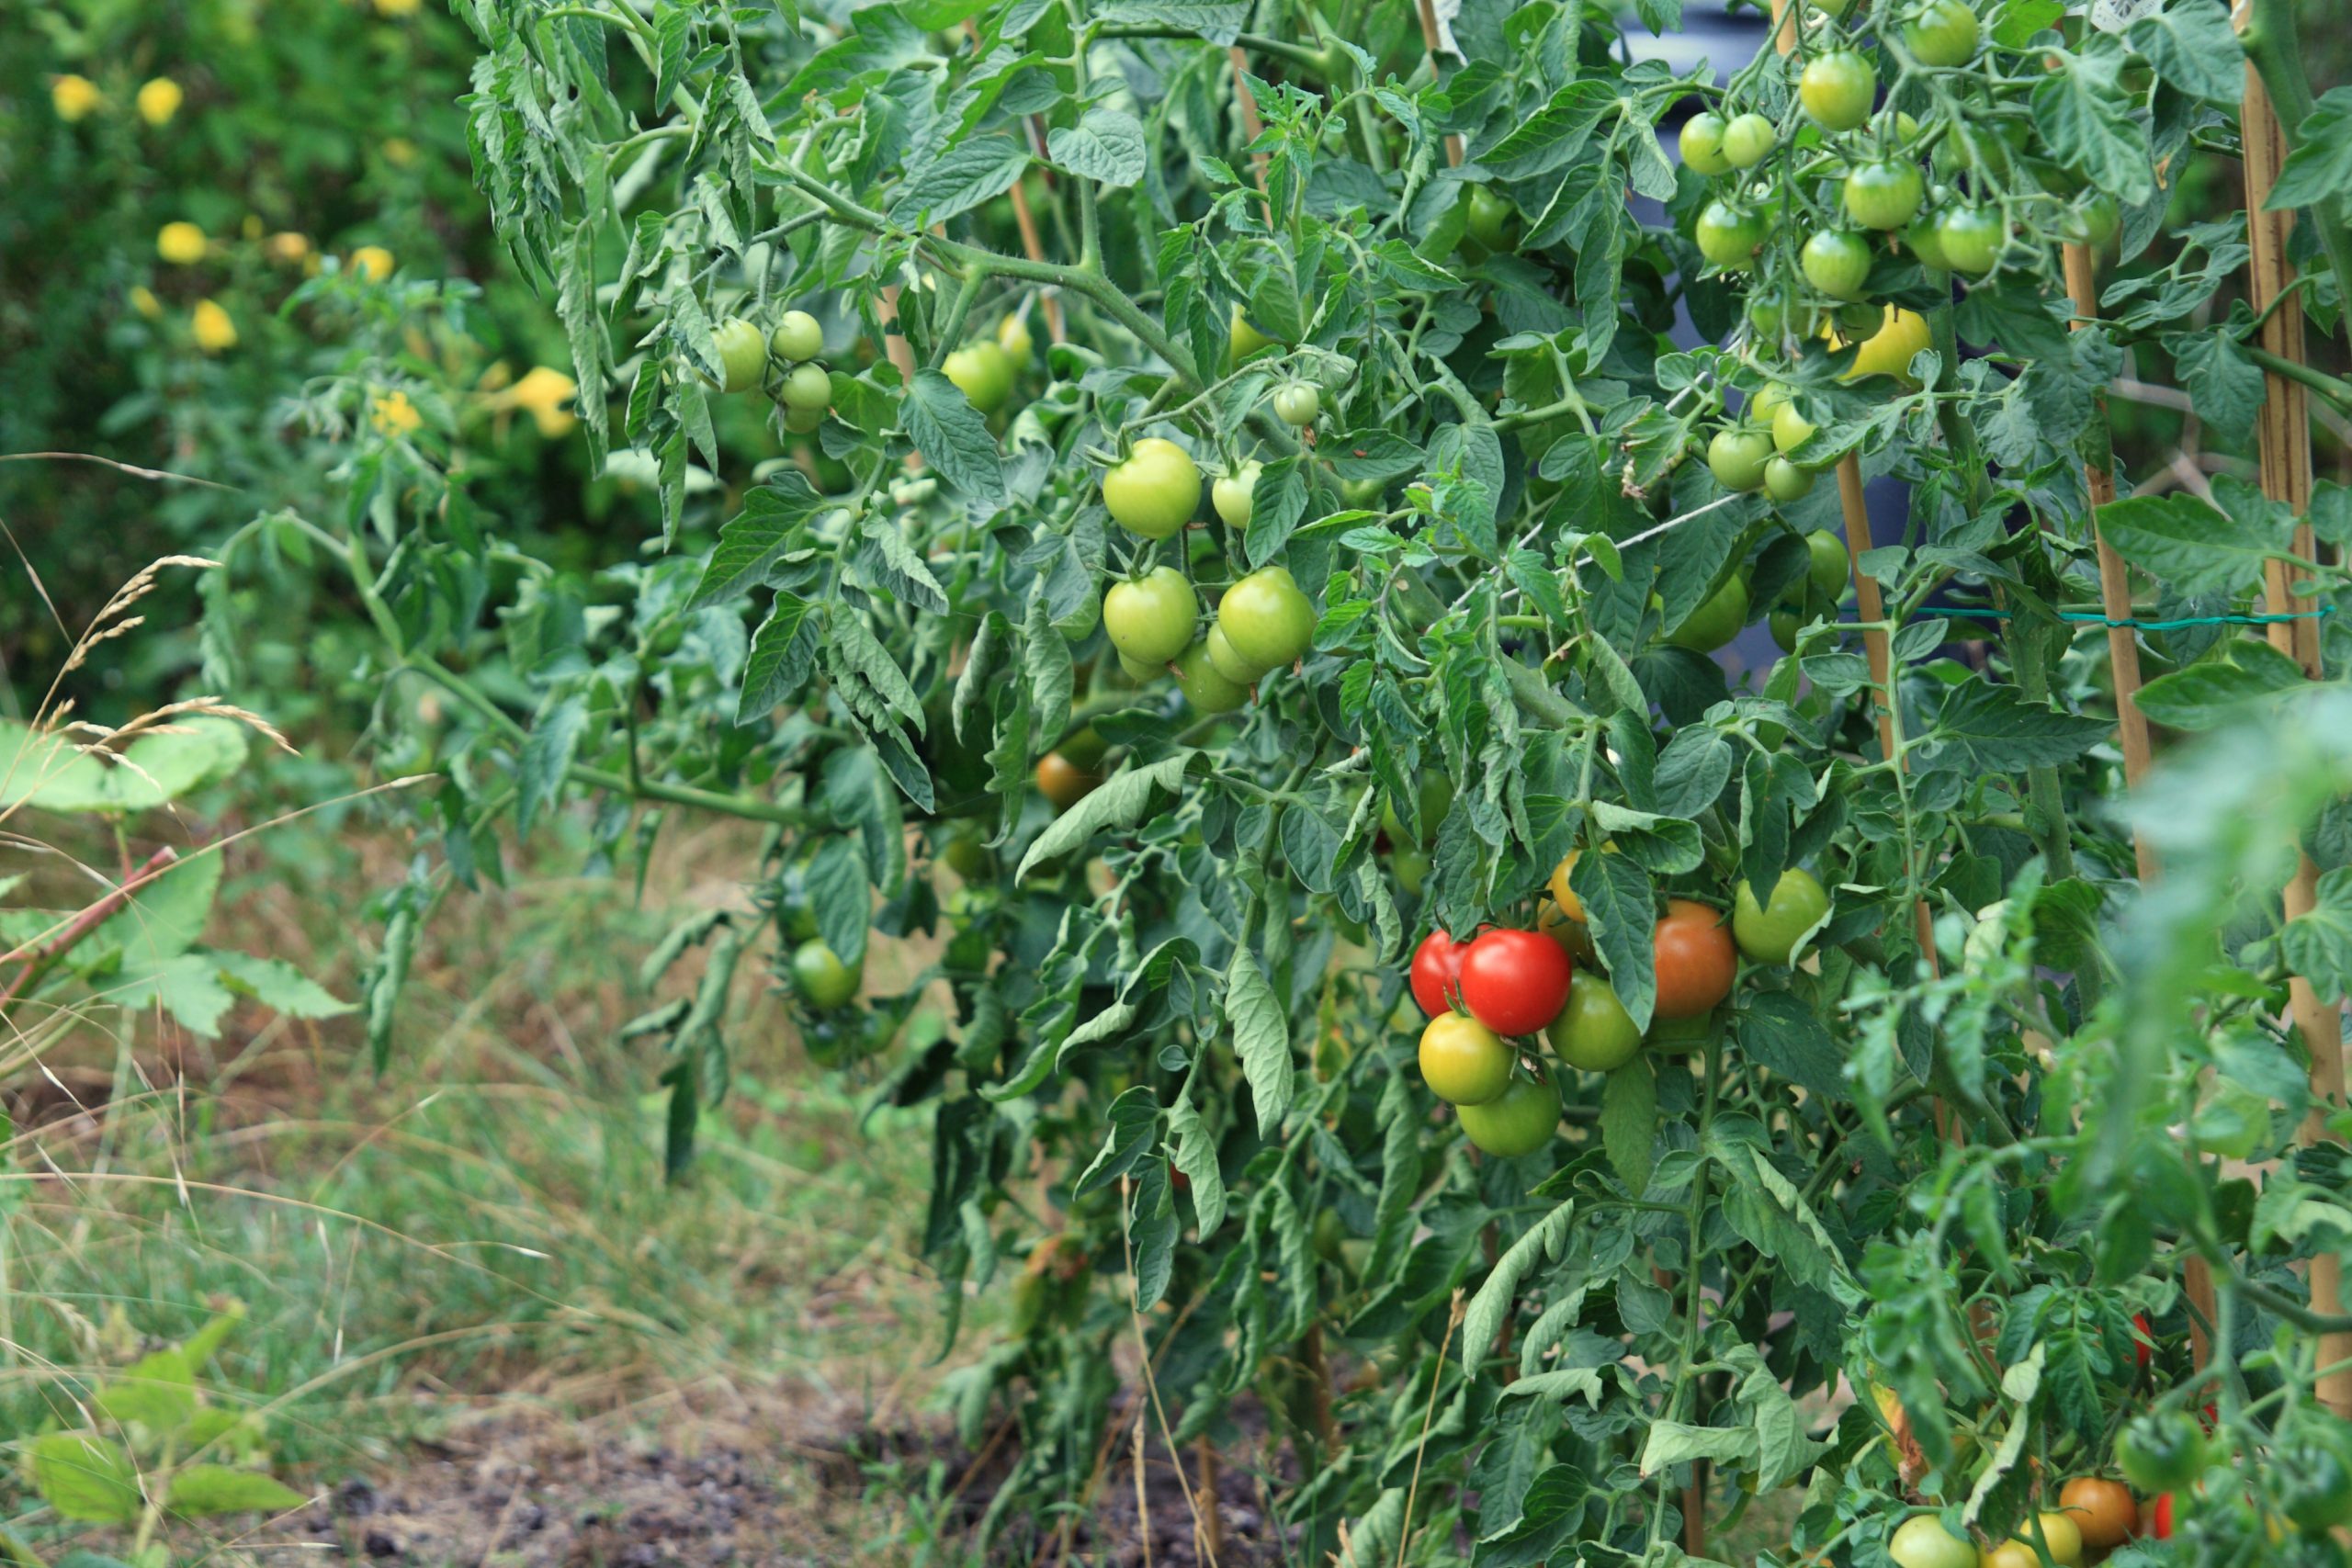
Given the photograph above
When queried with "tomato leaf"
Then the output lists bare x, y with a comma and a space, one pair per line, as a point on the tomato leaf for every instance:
1544, 1241
1620, 907
2189, 546
954, 439
1629, 1121
1260, 1040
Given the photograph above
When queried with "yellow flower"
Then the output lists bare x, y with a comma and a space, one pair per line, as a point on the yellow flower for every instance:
214, 330
144, 300
399, 151
397, 7
393, 414
287, 246
372, 264
180, 243
159, 100
74, 96
542, 393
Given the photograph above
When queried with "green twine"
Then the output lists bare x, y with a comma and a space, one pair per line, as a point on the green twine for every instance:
2092, 617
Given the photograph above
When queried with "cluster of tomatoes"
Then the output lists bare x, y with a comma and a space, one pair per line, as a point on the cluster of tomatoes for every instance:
1506, 983
782, 363
984, 371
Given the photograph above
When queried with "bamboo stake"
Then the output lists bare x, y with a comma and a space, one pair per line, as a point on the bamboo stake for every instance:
2284, 431
1430, 40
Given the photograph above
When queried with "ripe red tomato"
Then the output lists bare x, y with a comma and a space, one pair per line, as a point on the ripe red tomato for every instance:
1437, 972
1695, 960
2160, 1525
1520, 1120
2102, 1509
2143, 1338
1515, 981
1462, 1061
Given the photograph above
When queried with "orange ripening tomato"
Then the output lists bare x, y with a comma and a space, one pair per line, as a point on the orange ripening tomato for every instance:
1695, 960
2102, 1509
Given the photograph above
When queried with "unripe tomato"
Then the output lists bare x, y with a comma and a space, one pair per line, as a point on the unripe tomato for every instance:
1693, 958
1883, 193
1235, 495
802, 422
742, 354
1202, 686
982, 372
2059, 1535
1563, 893
1012, 336
797, 337
1889, 351
1785, 481
1266, 619
1702, 144
1785, 625
1729, 236
807, 388
1462, 1061
2318, 1488
1155, 491
1298, 403
1837, 88
1921, 1542
2091, 220
1435, 798
1717, 619
1791, 429
2161, 1452
1971, 238
1826, 573
1150, 619
1769, 933
1492, 220
820, 977
1515, 981
1139, 671
1941, 33
1837, 263
1748, 140
966, 855
1737, 456
1515, 1123
1766, 317
2102, 1510
1574, 936
1063, 783
1921, 238
1436, 973
1242, 340
1228, 663
1594, 1033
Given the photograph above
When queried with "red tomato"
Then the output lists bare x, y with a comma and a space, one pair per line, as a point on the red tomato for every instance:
1695, 960
2161, 1519
2142, 1337
1515, 981
1437, 972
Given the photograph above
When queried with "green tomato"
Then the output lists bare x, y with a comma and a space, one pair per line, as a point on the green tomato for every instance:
807, 388
2091, 220
1921, 1542
1150, 619
1242, 340
1412, 869
1155, 491
1825, 574
1361, 493
1769, 933
1436, 798
1012, 336
1766, 317
1462, 1061
1229, 664
967, 854
983, 373
1491, 220
1785, 625
1883, 194
1702, 144
1594, 1033
742, 354
1737, 456
1138, 671
1517, 1122
820, 977
1919, 238
1235, 495
2161, 1452
1785, 481
1941, 33
1791, 429
1268, 622
1202, 686
797, 337
1971, 238
2318, 1488
1748, 140
1837, 263
1837, 89
1717, 619
1729, 236
803, 421
1298, 403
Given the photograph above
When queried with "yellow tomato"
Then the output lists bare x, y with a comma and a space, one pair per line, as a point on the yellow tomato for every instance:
1889, 351
399, 151
74, 96
393, 414
159, 100
543, 392
214, 330
288, 246
397, 7
372, 264
181, 244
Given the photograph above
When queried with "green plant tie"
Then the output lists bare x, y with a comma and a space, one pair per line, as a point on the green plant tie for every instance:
2094, 617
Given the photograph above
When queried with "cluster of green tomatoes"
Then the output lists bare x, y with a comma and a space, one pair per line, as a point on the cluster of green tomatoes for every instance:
782, 363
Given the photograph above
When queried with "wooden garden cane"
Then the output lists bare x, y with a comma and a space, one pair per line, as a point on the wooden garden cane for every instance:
2284, 431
